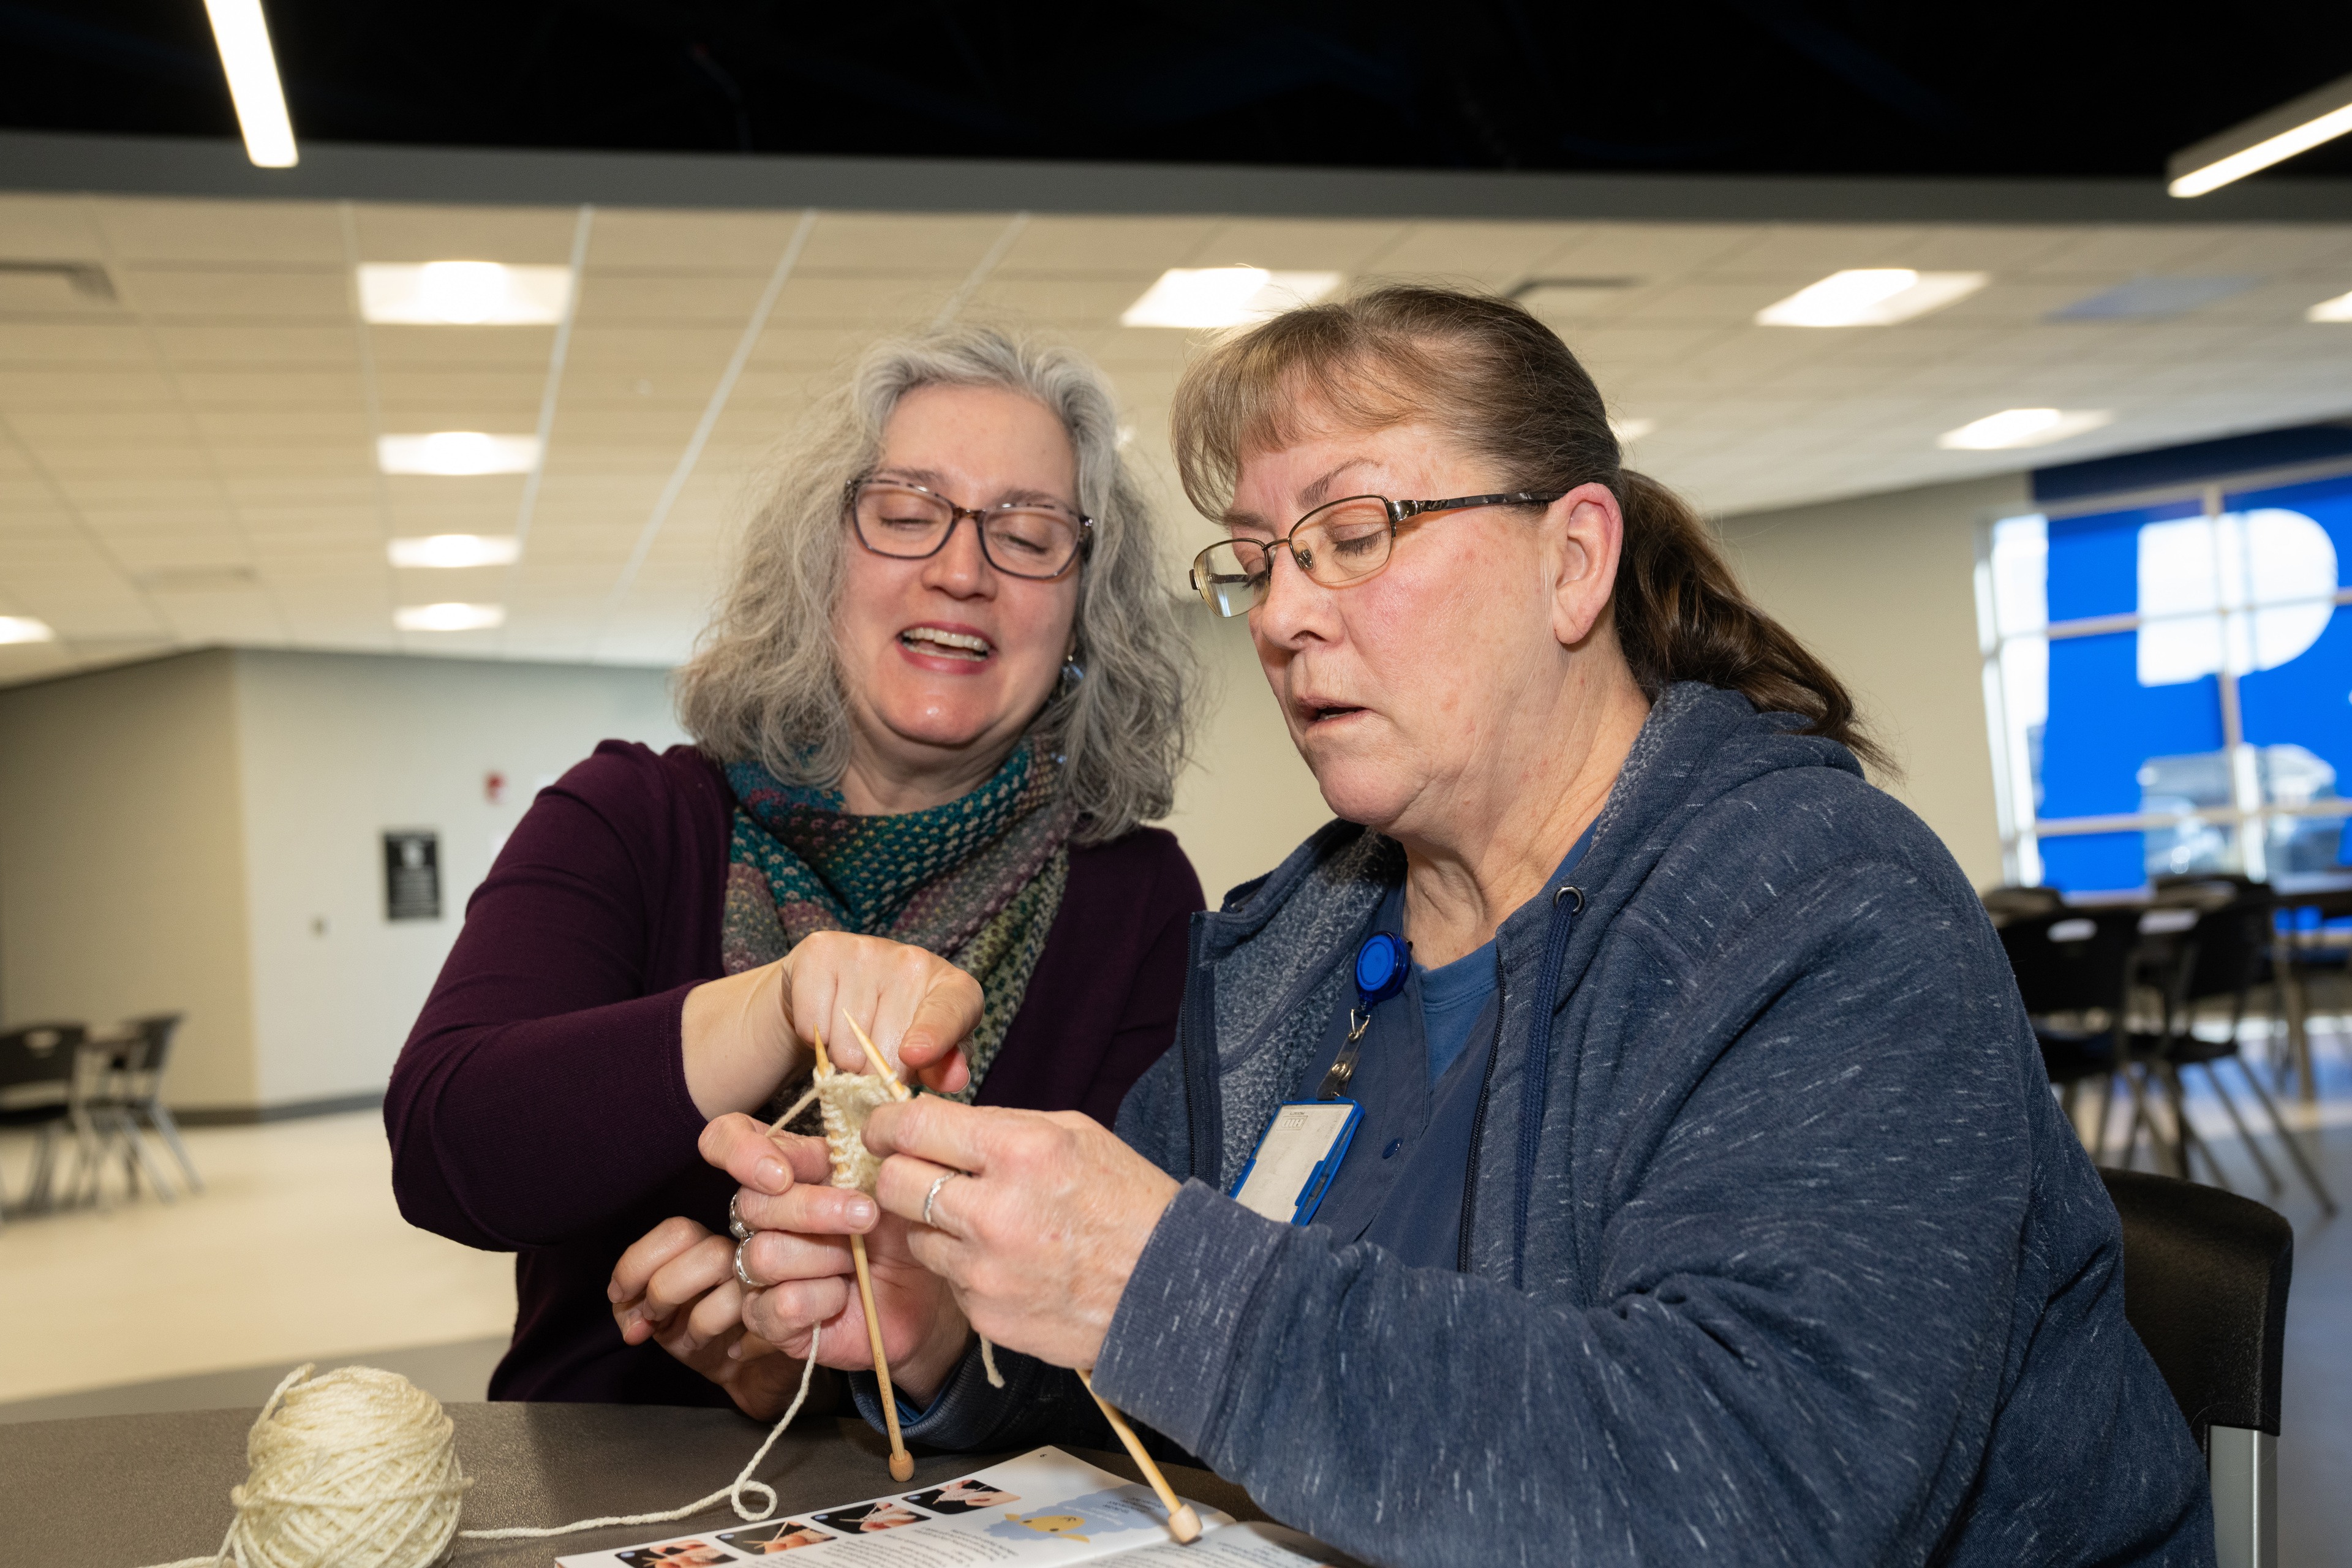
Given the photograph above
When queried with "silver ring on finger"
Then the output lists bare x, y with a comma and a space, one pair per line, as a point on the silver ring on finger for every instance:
743, 1275
932, 1196
735, 1225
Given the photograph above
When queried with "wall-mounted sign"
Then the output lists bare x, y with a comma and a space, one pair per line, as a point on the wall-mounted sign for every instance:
411, 874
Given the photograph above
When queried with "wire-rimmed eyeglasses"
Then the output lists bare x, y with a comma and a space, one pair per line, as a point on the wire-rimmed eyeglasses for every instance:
1339, 544
1021, 539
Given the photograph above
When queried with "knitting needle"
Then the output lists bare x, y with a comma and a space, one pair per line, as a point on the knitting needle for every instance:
1183, 1523
899, 1089
902, 1464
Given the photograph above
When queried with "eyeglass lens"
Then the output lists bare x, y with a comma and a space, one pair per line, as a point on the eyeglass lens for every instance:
1027, 541
1338, 545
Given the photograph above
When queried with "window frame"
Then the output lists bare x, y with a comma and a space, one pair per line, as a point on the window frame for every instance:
2022, 827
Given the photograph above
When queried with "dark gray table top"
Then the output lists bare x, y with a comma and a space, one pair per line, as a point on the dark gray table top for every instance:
120, 1491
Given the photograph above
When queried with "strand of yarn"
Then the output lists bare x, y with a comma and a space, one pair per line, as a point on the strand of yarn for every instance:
732, 1492
358, 1469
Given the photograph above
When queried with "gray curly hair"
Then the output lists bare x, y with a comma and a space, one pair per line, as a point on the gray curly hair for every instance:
764, 683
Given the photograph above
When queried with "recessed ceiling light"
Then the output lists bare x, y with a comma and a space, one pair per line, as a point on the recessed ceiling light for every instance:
2295, 127
243, 38
1225, 295
2023, 427
456, 550
456, 452
1631, 430
2339, 309
25, 628
463, 293
1870, 297
448, 617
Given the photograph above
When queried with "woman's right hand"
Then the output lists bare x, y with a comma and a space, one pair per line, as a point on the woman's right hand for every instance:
745, 1034
799, 1254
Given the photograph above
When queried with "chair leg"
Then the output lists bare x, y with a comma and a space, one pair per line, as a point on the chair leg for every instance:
2293, 1148
89, 1185
2245, 1134
135, 1146
159, 1118
38, 1196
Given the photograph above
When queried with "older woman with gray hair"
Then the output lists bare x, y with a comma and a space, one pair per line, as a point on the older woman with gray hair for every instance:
915, 742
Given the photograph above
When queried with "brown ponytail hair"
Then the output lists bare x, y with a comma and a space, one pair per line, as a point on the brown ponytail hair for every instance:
1502, 385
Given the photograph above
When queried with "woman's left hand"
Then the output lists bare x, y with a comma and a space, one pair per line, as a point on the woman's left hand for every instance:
1038, 1234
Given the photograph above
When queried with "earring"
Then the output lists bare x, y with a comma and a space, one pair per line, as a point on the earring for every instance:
1073, 672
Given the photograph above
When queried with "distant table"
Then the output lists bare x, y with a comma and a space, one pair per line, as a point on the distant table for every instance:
120, 1491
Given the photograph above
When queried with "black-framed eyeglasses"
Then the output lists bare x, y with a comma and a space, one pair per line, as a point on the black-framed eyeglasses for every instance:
1339, 544
908, 522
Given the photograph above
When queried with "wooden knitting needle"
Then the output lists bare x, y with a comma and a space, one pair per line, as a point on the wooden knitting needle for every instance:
899, 1089
1183, 1523
902, 1464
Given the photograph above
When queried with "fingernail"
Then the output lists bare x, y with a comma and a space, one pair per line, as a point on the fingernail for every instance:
861, 1212
735, 1351
771, 1175
614, 1293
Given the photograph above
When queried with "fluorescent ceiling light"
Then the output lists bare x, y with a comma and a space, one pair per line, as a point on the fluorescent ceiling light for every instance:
2339, 309
1631, 430
243, 38
448, 617
1224, 296
1870, 296
2023, 427
456, 550
2297, 127
456, 452
25, 628
463, 293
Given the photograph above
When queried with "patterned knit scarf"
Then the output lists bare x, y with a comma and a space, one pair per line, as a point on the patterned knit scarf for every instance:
977, 880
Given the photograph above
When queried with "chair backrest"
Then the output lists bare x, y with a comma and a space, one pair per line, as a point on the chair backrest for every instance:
39, 1053
2010, 903
2231, 949
2205, 1282
2073, 960
155, 1031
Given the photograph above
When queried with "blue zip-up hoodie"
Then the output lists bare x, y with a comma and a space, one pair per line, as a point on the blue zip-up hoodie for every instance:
1775, 1246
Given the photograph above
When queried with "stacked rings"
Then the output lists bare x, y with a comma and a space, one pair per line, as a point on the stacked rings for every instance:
735, 1225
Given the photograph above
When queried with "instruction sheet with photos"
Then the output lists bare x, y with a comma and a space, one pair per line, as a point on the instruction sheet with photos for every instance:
1045, 1506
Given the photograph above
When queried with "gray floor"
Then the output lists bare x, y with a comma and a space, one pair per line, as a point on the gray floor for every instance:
452, 1372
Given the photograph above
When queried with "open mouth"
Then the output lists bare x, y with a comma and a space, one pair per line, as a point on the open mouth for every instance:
938, 642
1318, 714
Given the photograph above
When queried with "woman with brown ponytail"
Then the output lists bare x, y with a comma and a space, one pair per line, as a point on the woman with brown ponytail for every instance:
1704, 1198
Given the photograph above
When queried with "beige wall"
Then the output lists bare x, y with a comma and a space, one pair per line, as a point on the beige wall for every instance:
336, 748
202, 833
1882, 588
122, 885
1247, 800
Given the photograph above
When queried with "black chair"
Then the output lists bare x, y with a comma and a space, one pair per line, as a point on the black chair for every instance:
2010, 903
2223, 956
2078, 964
37, 1081
2205, 1283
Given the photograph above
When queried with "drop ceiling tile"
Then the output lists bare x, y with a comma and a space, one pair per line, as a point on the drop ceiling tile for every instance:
272, 386
172, 467
48, 229
623, 297
2127, 252
231, 346
508, 416
1076, 301
396, 232
892, 242
820, 355
654, 353
1510, 251
56, 385
343, 424
1802, 252
519, 387
886, 301
1116, 348
255, 458
268, 233
1649, 251
227, 294
692, 241
1307, 245
73, 344
504, 348
46, 428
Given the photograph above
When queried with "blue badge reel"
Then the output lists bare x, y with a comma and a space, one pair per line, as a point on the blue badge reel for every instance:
1302, 1149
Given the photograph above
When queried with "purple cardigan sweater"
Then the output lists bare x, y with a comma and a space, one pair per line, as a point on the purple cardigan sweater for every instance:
540, 1107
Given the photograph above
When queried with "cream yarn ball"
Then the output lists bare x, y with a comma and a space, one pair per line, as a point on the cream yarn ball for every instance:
356, 1470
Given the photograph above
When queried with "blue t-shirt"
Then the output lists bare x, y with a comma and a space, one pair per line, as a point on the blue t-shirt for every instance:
1421, 1069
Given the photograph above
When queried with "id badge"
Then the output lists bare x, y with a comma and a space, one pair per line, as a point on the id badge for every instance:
1294, 1161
